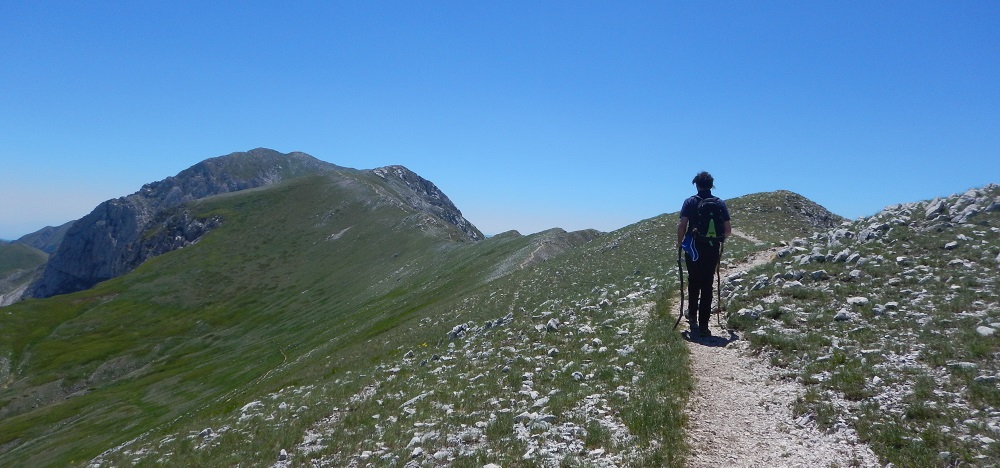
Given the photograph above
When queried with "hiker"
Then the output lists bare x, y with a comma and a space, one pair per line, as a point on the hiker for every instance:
703, 227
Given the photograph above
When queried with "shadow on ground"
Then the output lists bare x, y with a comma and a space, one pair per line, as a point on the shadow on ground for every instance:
713, 341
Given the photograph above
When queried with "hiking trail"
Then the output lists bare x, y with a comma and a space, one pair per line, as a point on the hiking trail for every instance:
739, 233
740, 412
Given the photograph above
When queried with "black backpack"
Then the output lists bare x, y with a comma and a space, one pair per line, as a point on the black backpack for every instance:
709, 223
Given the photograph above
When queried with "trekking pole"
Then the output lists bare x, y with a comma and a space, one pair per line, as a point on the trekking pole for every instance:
680, 275
718, 288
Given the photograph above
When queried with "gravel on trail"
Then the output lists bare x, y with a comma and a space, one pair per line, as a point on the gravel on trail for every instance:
740, 412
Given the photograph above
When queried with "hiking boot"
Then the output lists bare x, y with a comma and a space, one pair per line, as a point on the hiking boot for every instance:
691, 316
704, 331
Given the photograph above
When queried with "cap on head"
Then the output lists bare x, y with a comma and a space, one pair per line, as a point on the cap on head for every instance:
704, 180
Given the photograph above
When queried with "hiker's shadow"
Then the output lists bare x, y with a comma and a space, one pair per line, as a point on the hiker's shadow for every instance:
712, 341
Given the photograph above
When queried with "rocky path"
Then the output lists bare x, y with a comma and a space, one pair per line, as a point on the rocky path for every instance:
740, 411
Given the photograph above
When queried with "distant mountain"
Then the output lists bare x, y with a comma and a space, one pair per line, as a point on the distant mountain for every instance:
116, 237
46, 239
121, 234
422, 195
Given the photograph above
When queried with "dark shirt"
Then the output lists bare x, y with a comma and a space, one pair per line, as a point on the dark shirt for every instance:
689, 209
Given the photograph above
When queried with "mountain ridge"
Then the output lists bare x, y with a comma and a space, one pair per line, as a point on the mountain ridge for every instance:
178, 229
324, 309
542, 334
20, 265
318, 259
122, 233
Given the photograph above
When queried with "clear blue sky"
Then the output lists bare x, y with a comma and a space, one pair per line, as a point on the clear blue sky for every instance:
529, 115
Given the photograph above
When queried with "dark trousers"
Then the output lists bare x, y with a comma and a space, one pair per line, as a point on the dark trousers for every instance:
700, 276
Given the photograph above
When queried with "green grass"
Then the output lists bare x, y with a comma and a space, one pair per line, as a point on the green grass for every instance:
779, 216
204, 323
321, 283
266, 302
657, 410
14, 257
20, 264
904, 377
549, 287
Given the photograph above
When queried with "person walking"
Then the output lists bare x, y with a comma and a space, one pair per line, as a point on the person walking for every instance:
703, 227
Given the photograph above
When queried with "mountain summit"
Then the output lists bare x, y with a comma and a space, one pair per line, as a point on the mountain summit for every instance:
122, 233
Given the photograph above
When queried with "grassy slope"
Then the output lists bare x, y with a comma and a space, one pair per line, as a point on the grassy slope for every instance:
302, 285
19, 265
635, 258
908, 371
568, 287
17, 257
780, 215
188, 328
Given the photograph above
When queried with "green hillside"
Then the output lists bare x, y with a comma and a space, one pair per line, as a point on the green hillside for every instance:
610, 293
597, 285
891, 323
321, 264
329, 295
15, 257
19, 265
780, 215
